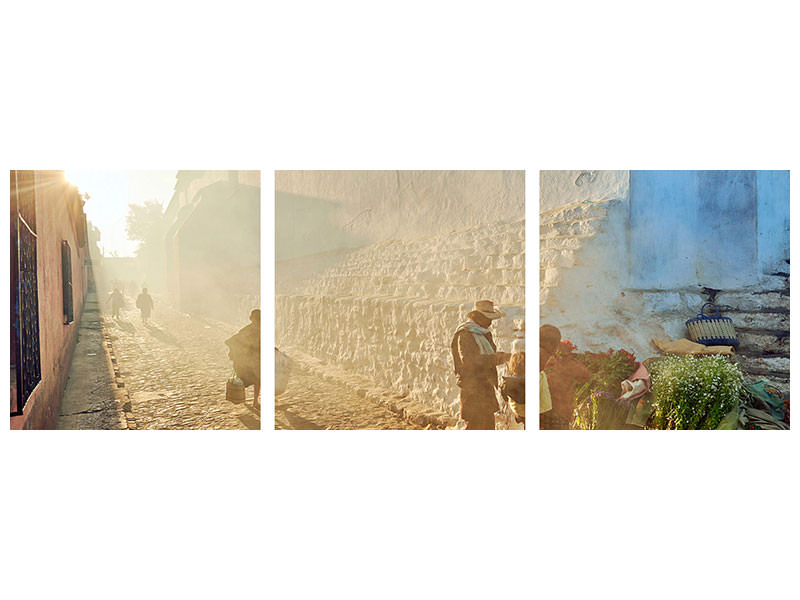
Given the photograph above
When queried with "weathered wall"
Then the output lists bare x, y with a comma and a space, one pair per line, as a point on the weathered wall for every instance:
189, 187
560, 188
388, 310
212, 246
219, 253
636, 261
319, 211
56, 339
188, 183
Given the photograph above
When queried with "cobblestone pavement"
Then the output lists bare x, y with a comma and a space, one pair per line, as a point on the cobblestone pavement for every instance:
311, 402
175, 369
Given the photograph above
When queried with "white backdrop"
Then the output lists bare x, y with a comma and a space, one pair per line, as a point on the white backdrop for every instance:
417, 85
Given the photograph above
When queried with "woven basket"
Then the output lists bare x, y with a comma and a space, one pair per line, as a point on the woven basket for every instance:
714, 330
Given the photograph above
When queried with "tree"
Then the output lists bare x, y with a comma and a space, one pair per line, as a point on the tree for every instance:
145, 224
144, 221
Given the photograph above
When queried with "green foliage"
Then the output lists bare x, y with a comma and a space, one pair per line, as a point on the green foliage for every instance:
144, 221
596, 400
693, 392
587, 413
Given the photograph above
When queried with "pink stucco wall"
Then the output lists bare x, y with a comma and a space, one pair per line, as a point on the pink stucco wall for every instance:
56, 340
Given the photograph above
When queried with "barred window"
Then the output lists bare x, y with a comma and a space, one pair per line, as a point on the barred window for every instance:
66, 282
25, 307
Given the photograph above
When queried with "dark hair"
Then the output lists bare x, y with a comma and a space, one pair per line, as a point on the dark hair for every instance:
549, 337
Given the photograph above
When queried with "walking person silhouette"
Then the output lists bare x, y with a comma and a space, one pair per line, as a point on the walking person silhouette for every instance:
117, 300
144, 302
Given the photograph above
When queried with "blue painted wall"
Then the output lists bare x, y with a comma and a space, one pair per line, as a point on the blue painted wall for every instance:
773, 220
719, 229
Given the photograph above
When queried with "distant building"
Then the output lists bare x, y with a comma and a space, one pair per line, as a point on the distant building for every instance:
49, 274
212, 244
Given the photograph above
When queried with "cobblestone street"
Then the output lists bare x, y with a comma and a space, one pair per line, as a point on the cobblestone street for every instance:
175, 369
312, 402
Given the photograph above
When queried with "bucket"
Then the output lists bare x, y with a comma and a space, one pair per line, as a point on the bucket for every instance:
234, 390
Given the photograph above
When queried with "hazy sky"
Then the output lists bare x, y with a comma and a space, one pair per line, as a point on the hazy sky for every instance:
110, 194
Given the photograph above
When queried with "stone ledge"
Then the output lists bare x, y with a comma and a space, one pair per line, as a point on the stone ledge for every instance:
577, 211
763, 320
764, 365
124, 414
415, 412
585, 228
563, 242
754, 301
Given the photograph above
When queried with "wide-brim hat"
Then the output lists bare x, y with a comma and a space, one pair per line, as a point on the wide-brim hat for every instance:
488, 309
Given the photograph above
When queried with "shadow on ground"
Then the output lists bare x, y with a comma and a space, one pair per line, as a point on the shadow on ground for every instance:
249, 421
162, 335
296, 421
126, 326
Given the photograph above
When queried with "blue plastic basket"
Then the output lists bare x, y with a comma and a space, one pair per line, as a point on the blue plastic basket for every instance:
714, 330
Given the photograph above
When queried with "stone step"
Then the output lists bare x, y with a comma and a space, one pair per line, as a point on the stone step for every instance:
549, 277
587, 227
762, 342
742, 301
563, 242
577, 212
763, 365
762, 320
557, 258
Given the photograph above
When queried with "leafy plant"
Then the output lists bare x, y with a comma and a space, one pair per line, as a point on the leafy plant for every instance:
596, 400
693, 392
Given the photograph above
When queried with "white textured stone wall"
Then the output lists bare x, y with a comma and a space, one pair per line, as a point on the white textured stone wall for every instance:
387, 311
583, 283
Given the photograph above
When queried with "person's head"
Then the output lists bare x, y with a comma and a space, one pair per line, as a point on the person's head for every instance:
479, 318
255, 316
116, 289
484, 312
549, 338
144, 290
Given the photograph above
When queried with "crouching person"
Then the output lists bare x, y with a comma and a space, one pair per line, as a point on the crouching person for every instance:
245, 352
475, 359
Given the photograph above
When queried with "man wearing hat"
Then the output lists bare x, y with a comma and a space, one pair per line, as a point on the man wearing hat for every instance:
475, 358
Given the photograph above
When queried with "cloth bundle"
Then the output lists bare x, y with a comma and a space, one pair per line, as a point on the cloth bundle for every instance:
637, 385
765, 397
752, 418
684, 346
